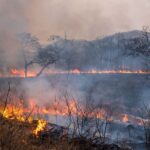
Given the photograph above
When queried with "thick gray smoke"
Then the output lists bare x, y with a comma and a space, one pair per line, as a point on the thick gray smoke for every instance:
121, 93
84, 19
12, 23
112, 52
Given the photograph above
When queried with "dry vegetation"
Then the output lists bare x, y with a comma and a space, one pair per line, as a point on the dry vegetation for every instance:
19, 132
16, 135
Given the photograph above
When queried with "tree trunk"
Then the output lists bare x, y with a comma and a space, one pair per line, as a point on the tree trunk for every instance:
41, 71
26, 70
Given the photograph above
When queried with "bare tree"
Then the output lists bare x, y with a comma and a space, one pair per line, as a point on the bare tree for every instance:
45, 57
33, 53
140, 45
84, 121
30, 45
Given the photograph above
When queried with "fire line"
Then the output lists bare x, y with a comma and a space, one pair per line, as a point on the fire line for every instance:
20, 73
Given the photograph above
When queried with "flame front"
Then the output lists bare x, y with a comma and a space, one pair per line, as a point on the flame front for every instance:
22, 114
21, 73
16, 112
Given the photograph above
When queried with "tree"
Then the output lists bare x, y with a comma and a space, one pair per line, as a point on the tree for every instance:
33, 53
30, 45
140, 45
45, 57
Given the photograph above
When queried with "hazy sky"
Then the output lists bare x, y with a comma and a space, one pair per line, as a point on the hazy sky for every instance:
79, 18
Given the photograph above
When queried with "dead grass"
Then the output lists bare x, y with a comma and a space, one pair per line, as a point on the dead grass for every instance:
15, 135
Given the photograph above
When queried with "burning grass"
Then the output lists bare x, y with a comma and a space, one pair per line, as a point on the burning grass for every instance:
41, 125
19, 130
16, 135
21, 73
23, 127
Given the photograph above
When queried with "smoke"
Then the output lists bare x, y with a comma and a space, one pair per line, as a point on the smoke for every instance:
12, 22
85, 18
46, 90
40, 91
78, 18
120, 93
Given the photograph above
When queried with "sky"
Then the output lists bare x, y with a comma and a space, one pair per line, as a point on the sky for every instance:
80, 19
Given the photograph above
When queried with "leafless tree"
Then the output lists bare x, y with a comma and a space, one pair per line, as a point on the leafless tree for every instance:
30, 45
140, 45
33, 53
45, 57
84, 121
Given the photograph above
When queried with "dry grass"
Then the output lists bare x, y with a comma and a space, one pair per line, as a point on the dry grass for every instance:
16, 135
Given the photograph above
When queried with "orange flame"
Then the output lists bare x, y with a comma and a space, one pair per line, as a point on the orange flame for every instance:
15, 112
21, 73
20, 113
125, 118
40, 127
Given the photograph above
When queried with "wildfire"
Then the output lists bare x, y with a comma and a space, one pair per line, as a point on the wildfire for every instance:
41, 125
16, 112
125, 118
21, 73
22, 114
94, 71
75, 71
59, 108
